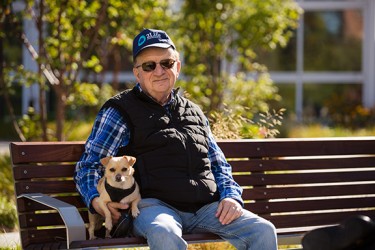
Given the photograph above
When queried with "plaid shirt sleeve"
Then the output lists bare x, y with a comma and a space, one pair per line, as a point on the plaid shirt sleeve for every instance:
222, 172
109, 132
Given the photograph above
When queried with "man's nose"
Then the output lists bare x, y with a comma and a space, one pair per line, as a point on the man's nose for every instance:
159, 70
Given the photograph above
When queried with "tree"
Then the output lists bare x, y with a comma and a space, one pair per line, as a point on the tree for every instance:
75, 38
5, 19
218, 39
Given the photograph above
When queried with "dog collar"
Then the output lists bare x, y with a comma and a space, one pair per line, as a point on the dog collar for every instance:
117, 194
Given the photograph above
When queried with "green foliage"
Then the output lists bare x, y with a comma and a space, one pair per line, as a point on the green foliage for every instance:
80, 38
84, 33
231, 124
30, 126
216, 35
8, 217
84, 94
6, 183
212, 35
250, 94
8, 214
17, 76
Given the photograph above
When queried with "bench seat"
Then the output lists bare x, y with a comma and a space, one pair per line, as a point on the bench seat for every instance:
297, 183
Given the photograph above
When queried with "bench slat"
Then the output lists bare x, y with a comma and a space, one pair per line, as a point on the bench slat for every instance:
28, 220
27, 205
304, 178
25, 172
35, 152
282, 163
310, 205
43, 239
47, 187
260, 193
298, 147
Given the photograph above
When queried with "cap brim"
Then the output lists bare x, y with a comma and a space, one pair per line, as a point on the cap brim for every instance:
157, 45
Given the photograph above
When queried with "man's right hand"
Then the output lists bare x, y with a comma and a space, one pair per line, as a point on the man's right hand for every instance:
113, 207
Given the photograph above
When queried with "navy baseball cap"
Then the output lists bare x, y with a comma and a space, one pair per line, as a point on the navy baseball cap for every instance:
151, 38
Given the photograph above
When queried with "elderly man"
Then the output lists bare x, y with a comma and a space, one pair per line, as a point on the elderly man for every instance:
185, 181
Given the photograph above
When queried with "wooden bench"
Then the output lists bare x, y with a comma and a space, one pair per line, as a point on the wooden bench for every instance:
298, 184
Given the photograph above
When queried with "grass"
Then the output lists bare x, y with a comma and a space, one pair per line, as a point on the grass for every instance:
317, 130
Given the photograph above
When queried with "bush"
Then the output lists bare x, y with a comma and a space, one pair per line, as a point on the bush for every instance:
231, 124
8, 217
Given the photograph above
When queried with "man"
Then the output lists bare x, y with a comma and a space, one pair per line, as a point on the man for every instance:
185, 180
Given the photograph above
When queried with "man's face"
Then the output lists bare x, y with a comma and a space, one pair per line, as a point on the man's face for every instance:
159, 82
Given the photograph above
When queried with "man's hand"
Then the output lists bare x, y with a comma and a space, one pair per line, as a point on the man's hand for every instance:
229, 210
113, 208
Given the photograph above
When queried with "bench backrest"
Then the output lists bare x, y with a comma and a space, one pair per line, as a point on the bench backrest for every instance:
295, 183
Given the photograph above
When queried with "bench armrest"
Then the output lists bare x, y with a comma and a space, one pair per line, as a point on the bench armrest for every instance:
75, 227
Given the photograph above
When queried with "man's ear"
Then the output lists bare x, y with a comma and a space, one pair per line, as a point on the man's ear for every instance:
136, 74
178, 67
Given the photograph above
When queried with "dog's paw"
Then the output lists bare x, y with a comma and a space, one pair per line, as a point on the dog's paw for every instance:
93, 237
108, 225
108, 234
135, 212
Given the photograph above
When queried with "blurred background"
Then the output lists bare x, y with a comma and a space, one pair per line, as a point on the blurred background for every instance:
258, 69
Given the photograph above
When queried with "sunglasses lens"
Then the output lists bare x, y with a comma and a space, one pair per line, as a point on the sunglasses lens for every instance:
148, 66
167, 64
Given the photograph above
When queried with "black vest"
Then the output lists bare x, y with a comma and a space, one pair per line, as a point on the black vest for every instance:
171, 149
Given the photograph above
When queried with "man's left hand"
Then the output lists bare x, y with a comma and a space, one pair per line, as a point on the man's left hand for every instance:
229, 210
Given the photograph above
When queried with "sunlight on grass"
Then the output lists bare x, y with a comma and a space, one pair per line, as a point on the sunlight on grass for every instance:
79, 131
317, 130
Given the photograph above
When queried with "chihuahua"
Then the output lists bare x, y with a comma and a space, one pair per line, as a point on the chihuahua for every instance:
118, 185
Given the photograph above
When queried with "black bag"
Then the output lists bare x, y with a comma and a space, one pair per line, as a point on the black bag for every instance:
355, 233
124, 226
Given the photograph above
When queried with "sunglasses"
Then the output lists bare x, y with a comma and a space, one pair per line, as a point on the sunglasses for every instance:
150, 66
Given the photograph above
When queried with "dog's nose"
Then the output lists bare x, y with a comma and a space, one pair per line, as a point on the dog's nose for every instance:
118, 177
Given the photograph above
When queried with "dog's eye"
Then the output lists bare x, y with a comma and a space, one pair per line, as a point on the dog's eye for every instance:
124, 169
112, 170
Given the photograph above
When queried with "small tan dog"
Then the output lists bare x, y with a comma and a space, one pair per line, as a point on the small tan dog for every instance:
119, 185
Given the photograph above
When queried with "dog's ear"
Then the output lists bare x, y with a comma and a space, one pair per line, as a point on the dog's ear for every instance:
130, 159
105, 160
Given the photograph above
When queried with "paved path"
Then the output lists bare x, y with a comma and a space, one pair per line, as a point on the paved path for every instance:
9, 240
4, 147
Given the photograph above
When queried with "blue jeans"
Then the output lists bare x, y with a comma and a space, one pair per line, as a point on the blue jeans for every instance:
163, 226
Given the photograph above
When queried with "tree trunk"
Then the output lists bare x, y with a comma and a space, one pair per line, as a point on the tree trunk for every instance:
42, 93
117, 68
60, 112
217, 88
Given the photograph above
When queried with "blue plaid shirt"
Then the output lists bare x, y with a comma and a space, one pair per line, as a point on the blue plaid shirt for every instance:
110, 132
